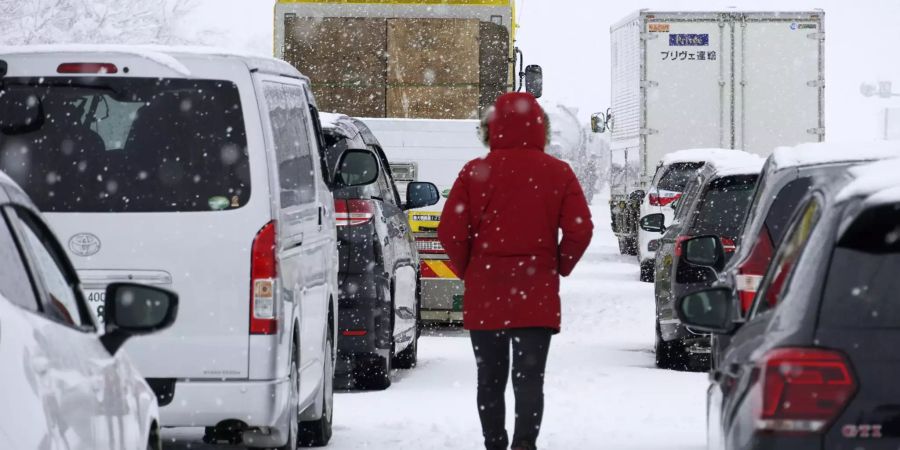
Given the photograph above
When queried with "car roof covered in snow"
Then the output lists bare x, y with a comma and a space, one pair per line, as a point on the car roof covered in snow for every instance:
164, 55
339, 123
716, 156
833, 153
877, 183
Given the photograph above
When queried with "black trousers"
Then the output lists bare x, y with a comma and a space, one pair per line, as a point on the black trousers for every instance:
529, 350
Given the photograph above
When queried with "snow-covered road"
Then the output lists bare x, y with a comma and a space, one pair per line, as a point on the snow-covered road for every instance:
602, 389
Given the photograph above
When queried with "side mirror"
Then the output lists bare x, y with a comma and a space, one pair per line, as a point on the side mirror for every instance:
21, 111
534, 80
705, 251
653, 223
708, 311
356, 168
420, 195
135, 309
598, 123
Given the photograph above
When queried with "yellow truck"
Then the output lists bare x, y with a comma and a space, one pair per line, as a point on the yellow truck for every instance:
422, 72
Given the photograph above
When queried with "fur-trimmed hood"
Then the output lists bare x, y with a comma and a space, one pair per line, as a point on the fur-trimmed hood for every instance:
516, 121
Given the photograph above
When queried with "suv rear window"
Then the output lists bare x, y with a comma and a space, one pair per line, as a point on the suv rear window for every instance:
862, 283
677, 176
127, 144
723, 207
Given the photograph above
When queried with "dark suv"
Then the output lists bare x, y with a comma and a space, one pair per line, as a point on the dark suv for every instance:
715, 203
379, 265
813, 365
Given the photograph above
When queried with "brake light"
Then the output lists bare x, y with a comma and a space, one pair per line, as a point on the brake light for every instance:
353, 212
679, 244
87, 68
664, 198
750, 274
263, 271
429, 245
354, 333
803, 389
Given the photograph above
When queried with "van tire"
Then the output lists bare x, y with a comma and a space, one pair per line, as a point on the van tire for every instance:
317, 433
409, 357
670, 355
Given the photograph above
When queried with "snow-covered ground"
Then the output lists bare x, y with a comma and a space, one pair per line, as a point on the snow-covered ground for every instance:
602, 389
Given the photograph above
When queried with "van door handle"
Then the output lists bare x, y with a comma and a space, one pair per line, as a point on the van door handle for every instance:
296, 241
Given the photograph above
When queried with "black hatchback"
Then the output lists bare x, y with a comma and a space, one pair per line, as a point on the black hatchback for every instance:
814, 364
715, 203
379, 265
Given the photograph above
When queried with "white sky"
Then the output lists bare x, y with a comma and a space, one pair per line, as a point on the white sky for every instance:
570, 39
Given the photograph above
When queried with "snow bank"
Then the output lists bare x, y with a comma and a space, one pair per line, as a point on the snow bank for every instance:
821, 153
878, 182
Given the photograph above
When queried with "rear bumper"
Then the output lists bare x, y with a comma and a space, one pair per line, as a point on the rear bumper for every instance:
207, 403
441, 295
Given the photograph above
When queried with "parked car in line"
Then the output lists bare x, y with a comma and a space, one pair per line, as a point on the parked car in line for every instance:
673, 173
716, 202
812, 365
66, 384
786, 179
379, 264
201, 172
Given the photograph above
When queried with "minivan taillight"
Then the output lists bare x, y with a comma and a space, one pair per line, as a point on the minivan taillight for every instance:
87, 68
263, 272
803, 389
353, 212
664, 198
750, 274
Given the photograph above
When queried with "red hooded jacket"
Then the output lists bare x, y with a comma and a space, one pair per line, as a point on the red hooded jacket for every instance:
500, 225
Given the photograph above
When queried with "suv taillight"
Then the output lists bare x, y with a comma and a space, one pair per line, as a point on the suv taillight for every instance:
353, 212
263, 272
803, 389
750, 274
664, 198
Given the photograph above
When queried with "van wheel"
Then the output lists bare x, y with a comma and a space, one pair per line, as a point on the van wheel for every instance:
409, 357
670, 355
294, 405
317, 433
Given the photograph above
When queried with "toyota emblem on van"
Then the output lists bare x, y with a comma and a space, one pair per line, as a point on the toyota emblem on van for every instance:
84, 244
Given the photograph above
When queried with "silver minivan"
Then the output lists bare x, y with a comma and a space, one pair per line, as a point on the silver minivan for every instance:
202, 173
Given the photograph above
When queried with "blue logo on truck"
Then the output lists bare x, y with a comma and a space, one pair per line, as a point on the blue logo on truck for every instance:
686, 40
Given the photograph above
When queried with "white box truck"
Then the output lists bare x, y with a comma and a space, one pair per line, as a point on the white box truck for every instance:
681, 80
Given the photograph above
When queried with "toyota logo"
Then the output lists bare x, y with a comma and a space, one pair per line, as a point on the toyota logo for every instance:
84, 244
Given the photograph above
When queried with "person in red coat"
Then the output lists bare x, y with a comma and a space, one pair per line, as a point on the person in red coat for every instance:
501, 228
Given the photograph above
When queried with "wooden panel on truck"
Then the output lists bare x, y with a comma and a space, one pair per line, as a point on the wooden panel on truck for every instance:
494, 63
433, 52
433, 102
340, 55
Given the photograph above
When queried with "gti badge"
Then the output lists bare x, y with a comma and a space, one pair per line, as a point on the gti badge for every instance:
84, 244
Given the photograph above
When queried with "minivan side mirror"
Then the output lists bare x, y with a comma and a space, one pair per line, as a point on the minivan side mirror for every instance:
708, 311
534, 80
705, 251
134, 309
421, 194
356, 168
598, 123
654, 223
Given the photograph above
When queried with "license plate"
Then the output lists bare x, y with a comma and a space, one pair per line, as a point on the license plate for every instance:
96, 301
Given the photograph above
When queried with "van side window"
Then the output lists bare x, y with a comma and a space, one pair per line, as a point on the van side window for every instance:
289, 119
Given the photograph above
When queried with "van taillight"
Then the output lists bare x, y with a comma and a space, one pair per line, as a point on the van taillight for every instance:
664, 198
87, 68
750, 274
353, 212
803, 389
263, 272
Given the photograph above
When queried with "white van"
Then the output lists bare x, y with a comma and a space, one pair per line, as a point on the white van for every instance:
199, 172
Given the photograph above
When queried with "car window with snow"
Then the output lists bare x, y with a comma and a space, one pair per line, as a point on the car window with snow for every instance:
14, 281
129, 145
677, 176
722, 209
288, 115
862, 283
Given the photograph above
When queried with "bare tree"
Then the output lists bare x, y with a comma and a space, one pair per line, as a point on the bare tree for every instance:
100, 21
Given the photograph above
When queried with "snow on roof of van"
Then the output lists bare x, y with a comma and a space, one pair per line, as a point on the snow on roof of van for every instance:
717, 156
822, 153
877, 182
330, 120
160, 54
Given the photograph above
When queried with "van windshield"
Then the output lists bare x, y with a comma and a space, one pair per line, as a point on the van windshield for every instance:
125, 144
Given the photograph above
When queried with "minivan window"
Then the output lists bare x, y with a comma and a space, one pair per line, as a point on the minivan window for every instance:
677, 176
288, 115
723, 207
108, 144
783, 207
862, 282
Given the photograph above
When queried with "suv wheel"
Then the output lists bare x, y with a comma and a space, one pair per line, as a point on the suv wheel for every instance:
317, 433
